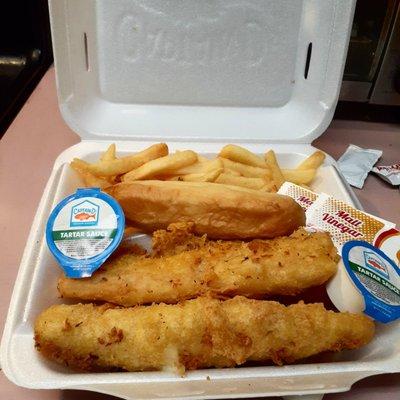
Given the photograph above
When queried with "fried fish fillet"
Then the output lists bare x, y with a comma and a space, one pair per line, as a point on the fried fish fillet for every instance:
197, 333
280, 266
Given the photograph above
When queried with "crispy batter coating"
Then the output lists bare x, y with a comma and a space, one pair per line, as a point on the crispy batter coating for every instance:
198, 333
280, 266
177, 238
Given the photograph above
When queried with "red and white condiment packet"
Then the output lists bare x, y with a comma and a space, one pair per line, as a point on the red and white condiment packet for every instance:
344, 222
389, 173
302, 196
341, 220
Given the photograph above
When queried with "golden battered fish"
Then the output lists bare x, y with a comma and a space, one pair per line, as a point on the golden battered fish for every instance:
198, 333
281, 266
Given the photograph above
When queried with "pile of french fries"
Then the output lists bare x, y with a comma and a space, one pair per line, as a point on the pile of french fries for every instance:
234, 165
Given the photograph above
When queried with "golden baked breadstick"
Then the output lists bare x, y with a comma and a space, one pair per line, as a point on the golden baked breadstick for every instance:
221, 211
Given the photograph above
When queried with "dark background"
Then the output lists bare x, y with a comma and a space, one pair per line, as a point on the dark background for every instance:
25, 53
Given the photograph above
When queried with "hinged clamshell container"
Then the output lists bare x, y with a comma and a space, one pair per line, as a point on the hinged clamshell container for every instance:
198, 75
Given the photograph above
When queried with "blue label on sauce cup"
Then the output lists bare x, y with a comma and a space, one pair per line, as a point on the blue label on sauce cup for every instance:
83, 230
376, 276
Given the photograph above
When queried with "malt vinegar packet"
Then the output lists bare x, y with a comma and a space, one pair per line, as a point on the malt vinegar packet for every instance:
368, 276
303, 196
344, 222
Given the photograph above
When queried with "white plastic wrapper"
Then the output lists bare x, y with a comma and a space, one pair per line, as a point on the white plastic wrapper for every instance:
356, 163
389, 173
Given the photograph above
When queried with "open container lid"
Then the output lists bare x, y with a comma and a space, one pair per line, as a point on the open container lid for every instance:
237, 70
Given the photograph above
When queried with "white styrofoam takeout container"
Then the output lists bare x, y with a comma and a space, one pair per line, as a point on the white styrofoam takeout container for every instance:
197, 74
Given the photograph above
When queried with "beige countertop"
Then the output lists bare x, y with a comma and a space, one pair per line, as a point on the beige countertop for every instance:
39, 134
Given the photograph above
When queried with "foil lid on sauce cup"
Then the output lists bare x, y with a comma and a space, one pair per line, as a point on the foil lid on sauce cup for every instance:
367, 281
83, 230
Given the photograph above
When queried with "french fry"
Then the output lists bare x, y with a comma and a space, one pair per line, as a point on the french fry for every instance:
210, 176
232, 172
312, 162
241, 155
162, 166
109, 154
246, 170
95, 181
299, 176
195, 168
200, 167
211, 165
234, 166
123, 165
88, 178
202, 159
79, 165
250, 183
269, 187
272, 162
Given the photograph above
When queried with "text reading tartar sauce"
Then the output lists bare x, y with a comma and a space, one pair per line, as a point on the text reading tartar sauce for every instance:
83, 230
